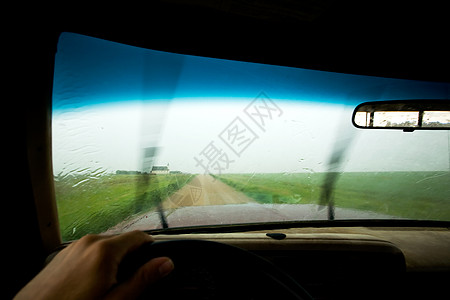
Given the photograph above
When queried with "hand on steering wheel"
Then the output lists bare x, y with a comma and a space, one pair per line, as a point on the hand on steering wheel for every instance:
211, 270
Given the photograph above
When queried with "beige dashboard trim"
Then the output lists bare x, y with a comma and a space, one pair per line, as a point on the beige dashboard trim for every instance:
424, 249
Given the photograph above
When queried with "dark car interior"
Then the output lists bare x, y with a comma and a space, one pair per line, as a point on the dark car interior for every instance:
399, 259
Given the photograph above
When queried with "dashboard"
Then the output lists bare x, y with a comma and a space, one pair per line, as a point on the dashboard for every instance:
350, 263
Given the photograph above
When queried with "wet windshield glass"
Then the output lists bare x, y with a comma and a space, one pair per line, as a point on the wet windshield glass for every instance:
144, 139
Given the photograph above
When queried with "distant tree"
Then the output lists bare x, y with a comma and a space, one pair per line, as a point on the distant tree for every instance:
123, 172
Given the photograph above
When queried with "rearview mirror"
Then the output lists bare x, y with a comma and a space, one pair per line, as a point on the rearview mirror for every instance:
408, 115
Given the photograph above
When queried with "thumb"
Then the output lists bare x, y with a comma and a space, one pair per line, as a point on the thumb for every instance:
146, 275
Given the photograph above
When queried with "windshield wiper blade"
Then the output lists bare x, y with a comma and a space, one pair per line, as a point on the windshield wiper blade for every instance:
162, 217
145, 180
326, 195
331, 178
143, 195
335, 164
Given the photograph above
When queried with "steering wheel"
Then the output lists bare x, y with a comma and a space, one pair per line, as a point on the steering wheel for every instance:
211, 270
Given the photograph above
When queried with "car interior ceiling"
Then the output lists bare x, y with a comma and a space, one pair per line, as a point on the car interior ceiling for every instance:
379, 38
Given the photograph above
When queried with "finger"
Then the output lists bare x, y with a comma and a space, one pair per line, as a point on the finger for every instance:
77, 247
146, 275
127, 242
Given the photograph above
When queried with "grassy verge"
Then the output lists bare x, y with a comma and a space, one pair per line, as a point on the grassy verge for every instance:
93, 205
415, 195
277, 188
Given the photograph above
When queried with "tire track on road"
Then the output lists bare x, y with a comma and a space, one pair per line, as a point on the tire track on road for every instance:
205, 190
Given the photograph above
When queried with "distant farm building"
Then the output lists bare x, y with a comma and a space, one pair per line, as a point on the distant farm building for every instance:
160, 170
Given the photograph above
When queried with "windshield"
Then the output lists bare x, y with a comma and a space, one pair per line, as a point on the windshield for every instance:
144, 139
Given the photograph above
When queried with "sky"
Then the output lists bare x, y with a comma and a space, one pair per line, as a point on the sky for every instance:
113, 101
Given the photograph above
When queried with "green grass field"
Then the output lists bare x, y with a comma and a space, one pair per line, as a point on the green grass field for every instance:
415, 195
94, 205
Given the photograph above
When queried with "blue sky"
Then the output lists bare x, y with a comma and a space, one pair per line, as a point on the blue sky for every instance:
90, 71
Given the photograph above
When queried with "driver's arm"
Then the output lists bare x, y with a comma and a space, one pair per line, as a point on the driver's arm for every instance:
87, 269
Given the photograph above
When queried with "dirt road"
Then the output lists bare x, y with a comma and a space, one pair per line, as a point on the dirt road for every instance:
206, 201
205, 190
201, 191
